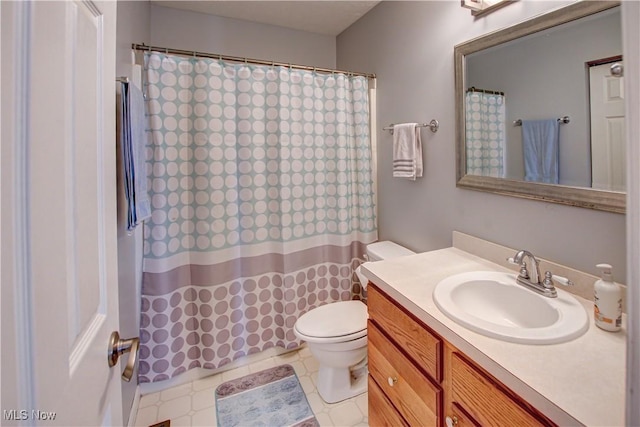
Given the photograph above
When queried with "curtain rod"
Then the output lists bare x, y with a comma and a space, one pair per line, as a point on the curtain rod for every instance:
490, 92
144, 47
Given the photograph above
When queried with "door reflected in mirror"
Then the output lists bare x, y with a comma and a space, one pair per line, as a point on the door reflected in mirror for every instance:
606, 109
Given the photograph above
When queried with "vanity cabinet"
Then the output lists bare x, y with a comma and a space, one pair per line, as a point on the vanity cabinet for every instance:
416, 378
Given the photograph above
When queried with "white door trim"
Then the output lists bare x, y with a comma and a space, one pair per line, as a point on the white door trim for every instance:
19, 205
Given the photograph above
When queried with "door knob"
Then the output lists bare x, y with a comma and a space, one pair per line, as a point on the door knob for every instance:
617, 70
117, 347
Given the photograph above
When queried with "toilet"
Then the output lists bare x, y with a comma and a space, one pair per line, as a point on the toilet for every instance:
336, 335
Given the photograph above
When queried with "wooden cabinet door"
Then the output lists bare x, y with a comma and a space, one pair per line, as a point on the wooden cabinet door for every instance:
481, 397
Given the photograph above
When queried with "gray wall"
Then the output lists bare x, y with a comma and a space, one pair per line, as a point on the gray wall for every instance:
133, 25
187, 30
409, 45
535, 90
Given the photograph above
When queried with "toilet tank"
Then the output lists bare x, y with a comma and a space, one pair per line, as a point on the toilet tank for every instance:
386, 250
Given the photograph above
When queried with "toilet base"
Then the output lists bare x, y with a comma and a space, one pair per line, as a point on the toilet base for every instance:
337, 384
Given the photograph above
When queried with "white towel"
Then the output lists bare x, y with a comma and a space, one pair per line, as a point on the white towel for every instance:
407, 151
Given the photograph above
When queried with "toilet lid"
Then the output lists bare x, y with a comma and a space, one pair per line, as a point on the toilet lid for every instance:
334, 320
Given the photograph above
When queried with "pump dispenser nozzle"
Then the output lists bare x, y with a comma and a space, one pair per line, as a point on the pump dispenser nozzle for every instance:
605, 272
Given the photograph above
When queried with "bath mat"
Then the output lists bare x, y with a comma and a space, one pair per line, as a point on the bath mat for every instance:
272, 397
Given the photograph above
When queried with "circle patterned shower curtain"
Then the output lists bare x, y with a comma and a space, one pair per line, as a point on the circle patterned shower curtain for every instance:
262, 203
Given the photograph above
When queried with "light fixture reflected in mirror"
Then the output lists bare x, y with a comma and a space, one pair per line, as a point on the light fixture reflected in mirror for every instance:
480, 7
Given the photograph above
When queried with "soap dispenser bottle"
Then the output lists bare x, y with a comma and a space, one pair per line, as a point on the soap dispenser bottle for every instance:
608, 301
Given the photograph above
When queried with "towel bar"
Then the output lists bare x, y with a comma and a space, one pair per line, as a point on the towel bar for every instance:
561, 120
433, 125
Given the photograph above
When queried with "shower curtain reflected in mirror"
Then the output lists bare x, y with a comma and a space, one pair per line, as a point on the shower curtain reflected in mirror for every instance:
485, 134
262, 197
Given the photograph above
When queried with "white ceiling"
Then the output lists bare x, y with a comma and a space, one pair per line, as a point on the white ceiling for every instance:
322, 17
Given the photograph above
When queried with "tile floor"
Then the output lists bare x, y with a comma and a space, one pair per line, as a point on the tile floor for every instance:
193, 404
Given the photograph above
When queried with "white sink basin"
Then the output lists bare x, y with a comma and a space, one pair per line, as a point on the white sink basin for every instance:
493, 304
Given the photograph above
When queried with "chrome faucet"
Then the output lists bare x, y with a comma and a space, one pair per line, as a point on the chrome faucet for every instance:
544, 286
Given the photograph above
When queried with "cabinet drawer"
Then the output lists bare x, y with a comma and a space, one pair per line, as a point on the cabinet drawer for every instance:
479, 395
413, 394
422, 346
381, 412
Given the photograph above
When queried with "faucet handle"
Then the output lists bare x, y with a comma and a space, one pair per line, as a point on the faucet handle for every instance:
550, 279
563, 280
524, 273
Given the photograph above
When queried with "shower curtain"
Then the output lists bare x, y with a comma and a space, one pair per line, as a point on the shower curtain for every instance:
485, 137
262, 205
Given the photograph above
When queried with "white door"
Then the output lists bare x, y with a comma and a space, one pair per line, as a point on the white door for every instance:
608, 158
59, 212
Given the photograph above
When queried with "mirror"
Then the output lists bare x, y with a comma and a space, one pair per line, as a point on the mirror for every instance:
529, 108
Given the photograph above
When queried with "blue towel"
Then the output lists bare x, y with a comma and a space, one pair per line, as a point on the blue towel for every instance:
133, 140
540, 146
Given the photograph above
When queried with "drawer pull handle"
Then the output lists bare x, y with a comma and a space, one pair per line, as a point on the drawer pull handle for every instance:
392, 381
451, 421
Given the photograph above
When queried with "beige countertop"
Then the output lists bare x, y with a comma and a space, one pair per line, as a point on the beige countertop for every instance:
577, 382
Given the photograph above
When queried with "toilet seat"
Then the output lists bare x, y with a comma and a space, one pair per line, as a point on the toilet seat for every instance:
336, 322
